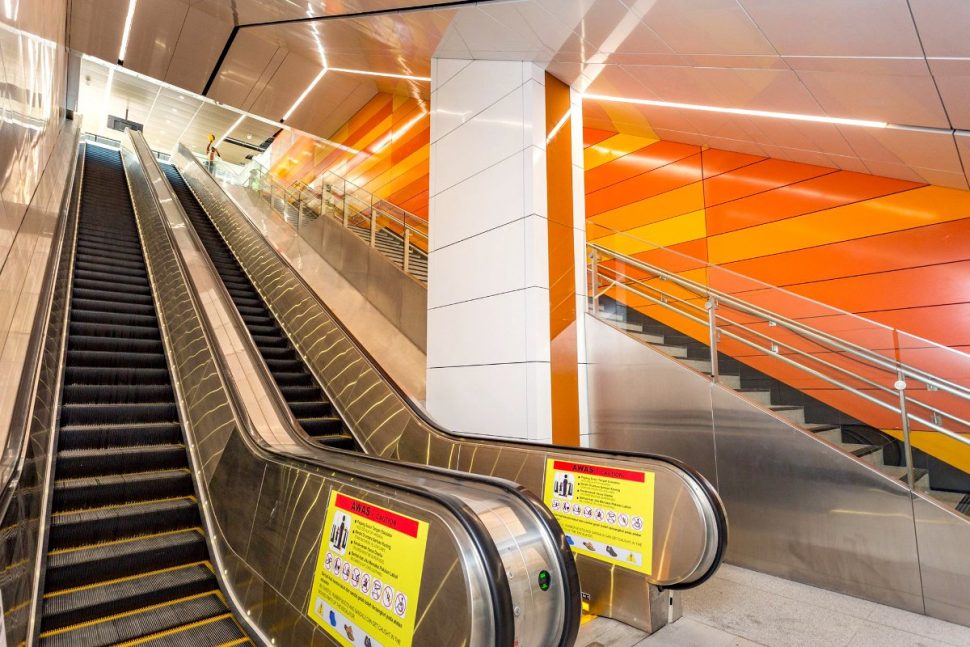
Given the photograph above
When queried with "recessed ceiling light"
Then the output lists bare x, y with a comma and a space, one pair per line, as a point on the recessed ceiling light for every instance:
409, 77
741, 111
127, 32
299, 100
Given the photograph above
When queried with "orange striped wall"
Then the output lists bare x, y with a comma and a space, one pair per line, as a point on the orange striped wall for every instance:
892, 251
390, 138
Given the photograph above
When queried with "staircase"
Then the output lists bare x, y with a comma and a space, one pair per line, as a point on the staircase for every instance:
835, 427
391, 245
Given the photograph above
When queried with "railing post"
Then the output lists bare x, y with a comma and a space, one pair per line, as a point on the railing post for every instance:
407, 248
373, 227
900, 387
594, 271
711, 307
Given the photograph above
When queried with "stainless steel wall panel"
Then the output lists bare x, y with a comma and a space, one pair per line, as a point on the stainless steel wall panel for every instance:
641, 399
803, 510
944, 541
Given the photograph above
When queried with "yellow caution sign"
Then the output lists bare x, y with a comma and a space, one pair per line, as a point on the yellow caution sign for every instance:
606, 512
368, 575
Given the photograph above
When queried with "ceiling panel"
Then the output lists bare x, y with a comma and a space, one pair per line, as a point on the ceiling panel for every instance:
862, 59
832, 27
154, 36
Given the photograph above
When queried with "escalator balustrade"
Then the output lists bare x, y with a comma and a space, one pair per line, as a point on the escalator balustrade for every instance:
305, 398
127, 561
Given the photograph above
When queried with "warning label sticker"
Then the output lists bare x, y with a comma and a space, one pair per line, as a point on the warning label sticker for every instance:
368, 575
606, 512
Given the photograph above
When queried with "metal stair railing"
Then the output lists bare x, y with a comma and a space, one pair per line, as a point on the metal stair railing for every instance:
357, 209
867, 373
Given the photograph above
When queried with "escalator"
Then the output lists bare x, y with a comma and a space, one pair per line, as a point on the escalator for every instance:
126, 560
305, 399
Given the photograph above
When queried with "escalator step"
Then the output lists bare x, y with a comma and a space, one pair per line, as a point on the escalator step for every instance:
312, 409
79, 566
77, 463
323, 426
118, 307
141, 591
88, 492
284, 365
118, 375
103, 264
142, 622
265, 341
98, 286
112, 295
217, 631
96, 525
94, 358
285, 379
83, 316
91, 437
118, 413
275, 352
99, 394
342, 441
302, 393
108, 277
115, 344
120, 330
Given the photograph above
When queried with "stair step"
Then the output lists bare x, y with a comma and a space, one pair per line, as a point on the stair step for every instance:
831, 433
649, 338
792, 413
758, 395
673, 351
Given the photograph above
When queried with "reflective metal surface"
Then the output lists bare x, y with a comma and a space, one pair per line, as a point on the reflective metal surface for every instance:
525, 541
798, 507
28, 450
689, 534
459, 582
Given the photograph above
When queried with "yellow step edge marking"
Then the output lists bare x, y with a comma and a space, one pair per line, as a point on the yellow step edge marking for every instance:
61, 551
127, 578
126, 614
237, 641
87, 478
114, 506
177, 630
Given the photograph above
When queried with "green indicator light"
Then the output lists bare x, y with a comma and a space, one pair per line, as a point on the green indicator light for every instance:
544, 580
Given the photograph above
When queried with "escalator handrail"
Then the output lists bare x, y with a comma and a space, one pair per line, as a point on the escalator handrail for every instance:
15, 446
489, 556
553, 529
702, 484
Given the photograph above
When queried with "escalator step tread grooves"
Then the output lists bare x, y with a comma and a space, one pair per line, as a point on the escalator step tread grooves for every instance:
127, 558
146, 622
306, 400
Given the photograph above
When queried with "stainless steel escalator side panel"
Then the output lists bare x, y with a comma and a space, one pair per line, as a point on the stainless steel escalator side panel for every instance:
387, 425
525, 543
267, 511
24, 501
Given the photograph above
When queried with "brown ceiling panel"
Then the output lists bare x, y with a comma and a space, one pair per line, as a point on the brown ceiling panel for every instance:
284, 86
197, 50
96, 27
155, 32
250, 60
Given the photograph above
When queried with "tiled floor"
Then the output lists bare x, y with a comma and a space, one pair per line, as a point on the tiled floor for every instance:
742, 608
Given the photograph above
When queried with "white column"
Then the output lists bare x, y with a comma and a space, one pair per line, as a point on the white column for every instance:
488, 288
579, 241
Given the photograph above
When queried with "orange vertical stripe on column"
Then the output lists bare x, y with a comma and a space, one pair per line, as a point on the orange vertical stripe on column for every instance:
562, 282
